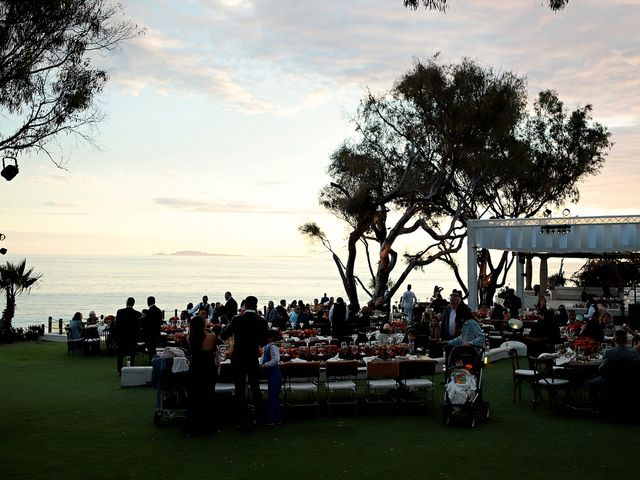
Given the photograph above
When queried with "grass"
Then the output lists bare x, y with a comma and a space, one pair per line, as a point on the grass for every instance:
66, 417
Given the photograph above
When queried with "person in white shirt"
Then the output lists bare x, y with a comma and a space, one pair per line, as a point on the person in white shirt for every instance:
407, 302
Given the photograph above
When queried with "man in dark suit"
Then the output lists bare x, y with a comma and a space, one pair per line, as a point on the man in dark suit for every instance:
249, 332
151, 325
231, 306
127, 325
453, 317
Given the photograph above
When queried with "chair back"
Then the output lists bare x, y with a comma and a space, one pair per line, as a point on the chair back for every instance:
417, 368
383, 369
342, 369
542, 367
515, 363
225, 374
293, 370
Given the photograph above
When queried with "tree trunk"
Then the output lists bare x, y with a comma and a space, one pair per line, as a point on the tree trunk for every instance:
8, 314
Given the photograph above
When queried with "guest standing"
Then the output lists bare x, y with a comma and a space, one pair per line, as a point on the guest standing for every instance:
407, 302
151, 327
231, 306
127, 326
249, 332
271, 363
203, 305
202, 378
453, 317
338, 319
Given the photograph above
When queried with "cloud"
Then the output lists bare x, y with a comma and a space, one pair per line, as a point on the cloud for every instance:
289, 56
189, 205
60, 204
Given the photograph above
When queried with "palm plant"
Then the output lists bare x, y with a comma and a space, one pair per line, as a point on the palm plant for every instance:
14, 280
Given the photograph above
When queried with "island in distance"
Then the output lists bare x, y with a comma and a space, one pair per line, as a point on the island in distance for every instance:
195, 253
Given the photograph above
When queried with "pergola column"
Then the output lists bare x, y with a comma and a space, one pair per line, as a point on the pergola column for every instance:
544, 274
528, 273
472, 269
520, 279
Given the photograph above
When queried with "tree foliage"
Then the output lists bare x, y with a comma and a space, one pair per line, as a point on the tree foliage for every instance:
608, 273
14, 280
447, 144
442, 5
48, 76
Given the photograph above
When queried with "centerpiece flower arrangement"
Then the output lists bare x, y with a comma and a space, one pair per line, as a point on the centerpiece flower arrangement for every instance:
398, 325
171, 328
587, 344
573, 329
304, 333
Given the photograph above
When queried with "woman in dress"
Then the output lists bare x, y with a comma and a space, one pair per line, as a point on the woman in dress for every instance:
606, 323
202, 378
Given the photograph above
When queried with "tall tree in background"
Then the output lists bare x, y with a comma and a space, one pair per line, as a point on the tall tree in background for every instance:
48, 80
442, 5
447, 144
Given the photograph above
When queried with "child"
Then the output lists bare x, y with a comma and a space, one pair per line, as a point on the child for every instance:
462, 383
270, 361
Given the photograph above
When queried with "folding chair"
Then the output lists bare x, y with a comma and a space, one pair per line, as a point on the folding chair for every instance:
341, 387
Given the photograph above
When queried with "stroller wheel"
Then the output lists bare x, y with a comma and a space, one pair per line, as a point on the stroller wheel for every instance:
157, 418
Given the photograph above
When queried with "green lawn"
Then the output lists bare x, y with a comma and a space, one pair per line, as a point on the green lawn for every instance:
66, 417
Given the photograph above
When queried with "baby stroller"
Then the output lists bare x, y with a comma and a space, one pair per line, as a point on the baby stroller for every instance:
474, 408
171, 388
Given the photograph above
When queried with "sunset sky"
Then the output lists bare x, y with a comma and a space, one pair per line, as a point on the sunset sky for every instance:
220, 120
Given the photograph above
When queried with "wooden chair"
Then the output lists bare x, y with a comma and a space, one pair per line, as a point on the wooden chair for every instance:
545, 378
382, 377
413, 380
302, 384
341, 386
519, 374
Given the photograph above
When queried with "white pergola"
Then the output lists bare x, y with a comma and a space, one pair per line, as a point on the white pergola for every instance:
585, 237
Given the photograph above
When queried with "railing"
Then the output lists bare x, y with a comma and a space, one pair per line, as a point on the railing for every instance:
59, 326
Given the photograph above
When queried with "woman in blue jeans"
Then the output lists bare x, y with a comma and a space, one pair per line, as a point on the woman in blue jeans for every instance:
271, 363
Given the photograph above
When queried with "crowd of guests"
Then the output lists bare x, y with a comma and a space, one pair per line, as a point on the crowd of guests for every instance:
444, 324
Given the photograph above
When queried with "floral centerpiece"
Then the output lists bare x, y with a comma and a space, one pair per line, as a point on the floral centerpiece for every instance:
171, 328
398, 325
304, 333
587, 344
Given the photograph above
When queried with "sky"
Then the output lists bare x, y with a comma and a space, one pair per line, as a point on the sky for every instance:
221, 118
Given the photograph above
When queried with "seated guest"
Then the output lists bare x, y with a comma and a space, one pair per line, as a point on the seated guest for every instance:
76, 327
541, 305
385, 335
572, 317
304, 317
484, 311
293, 318
470, 334
619, 353
562, 317
411, 341
364, 318
606, 323
546, 328
92, 319
498, 312
591, 328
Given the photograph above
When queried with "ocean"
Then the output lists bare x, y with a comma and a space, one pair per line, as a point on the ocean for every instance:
102, 283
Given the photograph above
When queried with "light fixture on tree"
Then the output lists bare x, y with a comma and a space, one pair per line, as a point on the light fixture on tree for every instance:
9, 171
